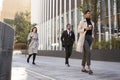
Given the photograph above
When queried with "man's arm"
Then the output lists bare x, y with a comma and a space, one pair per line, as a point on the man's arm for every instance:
62, 37
73, 37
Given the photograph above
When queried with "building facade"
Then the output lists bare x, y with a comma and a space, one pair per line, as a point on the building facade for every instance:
10, 8
52, 16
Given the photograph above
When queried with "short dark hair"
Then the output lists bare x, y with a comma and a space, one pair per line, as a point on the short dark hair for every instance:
67, 25
86, 11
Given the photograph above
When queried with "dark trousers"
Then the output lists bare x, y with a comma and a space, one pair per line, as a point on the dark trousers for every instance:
34, 56
68, 51
86, 53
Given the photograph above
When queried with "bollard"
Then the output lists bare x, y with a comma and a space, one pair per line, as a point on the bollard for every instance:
6, 50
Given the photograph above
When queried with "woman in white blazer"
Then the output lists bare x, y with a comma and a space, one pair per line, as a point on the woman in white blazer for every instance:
33, 44
86, 30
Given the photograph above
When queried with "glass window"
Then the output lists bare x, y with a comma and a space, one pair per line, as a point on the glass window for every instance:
118, 6
118, 14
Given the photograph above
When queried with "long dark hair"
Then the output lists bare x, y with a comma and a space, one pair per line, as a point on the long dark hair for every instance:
33, 29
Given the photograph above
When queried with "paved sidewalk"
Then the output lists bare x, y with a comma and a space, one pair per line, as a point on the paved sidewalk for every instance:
52, 68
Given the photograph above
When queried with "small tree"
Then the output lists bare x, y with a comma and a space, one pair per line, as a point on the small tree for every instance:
22, 26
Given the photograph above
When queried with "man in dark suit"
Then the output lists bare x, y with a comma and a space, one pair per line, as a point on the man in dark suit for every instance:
68, 38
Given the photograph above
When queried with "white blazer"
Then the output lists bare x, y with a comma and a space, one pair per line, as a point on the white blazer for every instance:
81, 27
33, 46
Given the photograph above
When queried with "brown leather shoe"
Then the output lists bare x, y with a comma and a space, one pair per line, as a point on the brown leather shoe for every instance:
90, 72
84, 70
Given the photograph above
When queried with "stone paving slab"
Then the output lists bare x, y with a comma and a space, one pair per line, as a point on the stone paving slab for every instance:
53, 68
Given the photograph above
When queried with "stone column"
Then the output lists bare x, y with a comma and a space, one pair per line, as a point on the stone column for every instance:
57, 24
6, 50
60, 23
53, 26
65, 17
70, 21
76, 22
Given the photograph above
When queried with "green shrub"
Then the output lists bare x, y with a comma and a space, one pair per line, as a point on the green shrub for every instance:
115, 43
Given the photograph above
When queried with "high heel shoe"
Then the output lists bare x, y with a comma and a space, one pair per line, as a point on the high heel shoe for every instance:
27, 60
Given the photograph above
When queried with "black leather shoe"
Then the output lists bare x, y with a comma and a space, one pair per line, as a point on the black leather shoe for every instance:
90, 72
33, 63
67, 65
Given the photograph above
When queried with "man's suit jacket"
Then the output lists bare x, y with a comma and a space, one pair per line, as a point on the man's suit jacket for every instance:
67, 39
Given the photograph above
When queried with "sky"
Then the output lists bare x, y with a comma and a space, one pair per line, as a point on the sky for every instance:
1, 4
